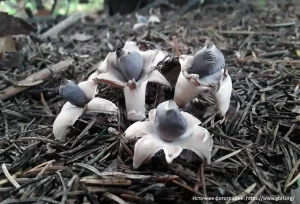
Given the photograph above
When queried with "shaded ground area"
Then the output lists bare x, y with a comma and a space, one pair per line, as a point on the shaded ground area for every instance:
256, 153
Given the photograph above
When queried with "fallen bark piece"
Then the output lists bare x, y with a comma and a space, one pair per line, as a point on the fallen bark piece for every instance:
38, 76
69, 21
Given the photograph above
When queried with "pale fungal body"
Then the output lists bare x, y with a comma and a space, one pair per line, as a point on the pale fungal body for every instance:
188, 135
131, 69
204, 73
70, 112
168, 128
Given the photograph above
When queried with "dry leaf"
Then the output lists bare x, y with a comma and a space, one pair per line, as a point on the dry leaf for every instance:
30, 83
298, 53
81, 37
11, 25
7, 44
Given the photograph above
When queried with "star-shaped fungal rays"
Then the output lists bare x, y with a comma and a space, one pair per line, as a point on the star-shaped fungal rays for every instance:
131, 69
80, 99
173, 131
204, 73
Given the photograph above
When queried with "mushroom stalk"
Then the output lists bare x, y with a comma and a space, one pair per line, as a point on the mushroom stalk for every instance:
186, 90
222, 96
131, 69
201, 74
135, 101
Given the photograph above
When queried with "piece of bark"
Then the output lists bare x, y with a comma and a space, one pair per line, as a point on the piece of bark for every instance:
42, 75
69, 21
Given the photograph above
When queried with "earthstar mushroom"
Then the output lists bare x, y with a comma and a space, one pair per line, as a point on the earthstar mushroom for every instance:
80, 100
204, 73
173, 131
131, 69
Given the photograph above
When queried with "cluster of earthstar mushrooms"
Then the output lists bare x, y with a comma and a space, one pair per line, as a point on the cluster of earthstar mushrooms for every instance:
167, 127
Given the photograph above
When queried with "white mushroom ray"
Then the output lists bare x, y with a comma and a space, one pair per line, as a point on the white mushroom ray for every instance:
134, 90
70, 113
196, 138
189, 86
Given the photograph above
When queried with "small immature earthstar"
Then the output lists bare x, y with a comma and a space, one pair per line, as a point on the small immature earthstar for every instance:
80, 100
173, 131
204, 73
131, 69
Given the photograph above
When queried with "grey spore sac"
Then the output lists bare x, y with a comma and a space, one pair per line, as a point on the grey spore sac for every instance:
208, 63
129, 63
71, 92
169, 121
